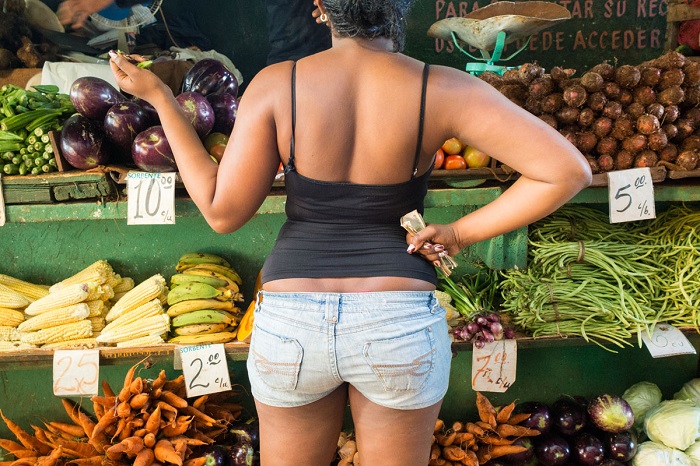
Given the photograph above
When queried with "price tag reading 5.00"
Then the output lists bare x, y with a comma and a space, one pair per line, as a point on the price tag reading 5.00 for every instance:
75, 372
494, 366
151, 198
631, 195
205, 369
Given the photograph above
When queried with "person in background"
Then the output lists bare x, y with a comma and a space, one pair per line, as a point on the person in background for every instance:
292, 31
348, 311
74, 13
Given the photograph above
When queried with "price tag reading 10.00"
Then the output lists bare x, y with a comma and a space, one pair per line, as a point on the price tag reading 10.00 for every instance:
205, 369
151, 198
631, 195
76, 372
494, 366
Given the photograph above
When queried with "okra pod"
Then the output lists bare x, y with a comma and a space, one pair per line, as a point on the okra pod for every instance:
11, 169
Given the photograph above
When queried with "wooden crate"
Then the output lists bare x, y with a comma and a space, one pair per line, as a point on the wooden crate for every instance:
677, 13
57, 187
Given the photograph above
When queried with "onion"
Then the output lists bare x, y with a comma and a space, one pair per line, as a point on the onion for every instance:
673, 95
688, 160
567, 115
685, 128
692, 73
605, 70
549, 119
530, 71
541, 87
671, 130
593, 163
626, 97
586, 141
559, 74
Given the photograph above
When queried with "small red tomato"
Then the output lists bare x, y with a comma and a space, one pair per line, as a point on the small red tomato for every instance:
217, 151
455, 162
439, 159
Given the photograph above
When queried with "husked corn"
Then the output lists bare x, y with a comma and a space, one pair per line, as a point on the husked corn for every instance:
145, 291
124, 285
106, 293
72, 331
149, 309
9, 298
79, 343
54, 317
8, 333
30, 290
66, 296
114, 280
11, 317
99, 272
98, 323
148, 340
96, 307
154, 325
7, 346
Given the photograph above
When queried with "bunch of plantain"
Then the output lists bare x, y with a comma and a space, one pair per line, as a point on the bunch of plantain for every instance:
202, 300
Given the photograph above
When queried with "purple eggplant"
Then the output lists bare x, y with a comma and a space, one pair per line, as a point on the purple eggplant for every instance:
83, 143
210, 76
150, 110
552, 450
587, 449
123, 122
152, 152
92, 97
242, 454
568, 416
621, 446
225, 108
246, 432
540, 415
198, 111
610, 413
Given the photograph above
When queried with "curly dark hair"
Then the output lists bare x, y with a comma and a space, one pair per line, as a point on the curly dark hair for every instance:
369, 19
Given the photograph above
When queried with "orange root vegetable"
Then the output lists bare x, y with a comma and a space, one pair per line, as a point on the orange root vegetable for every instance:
453, 453
457, 426
78, 449
439, 425
507, 430
106, 389
70, 429
471, 459
25, 439
348, 450
78, 416
144, 458
484, 425
51, 459
136, 386
484, 407
502, 450
30, 461
446, 439
125, 392
99, 410
182, 423
159, 381
504, 413
199, 402
123, 409
24, 453
435, 451
149, 440
201, 461
518, 418
496, 440
167, 408
105, 421
173, 400
200, 416
165, 452
474, 429
92, 461
153, 422
10, 446
173, 385
139, 401
463, 438
130, 446
106, 401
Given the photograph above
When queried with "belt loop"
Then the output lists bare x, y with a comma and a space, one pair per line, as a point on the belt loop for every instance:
332, 308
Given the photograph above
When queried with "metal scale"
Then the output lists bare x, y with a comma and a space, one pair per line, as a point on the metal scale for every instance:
496, 25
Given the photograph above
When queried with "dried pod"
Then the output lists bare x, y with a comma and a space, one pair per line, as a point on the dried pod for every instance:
627, 76
669, 153
586, 141
567, 115
688, 160
575, 96
606, 163
593, 163
602, 126
635, 143
656, 109
651, 76
635, 110
671, 77
559, 74
673, 95
549, 119
645, 95
671, 113
541, 87
647, 124
596, 101
623, 159
605, 70
626, 97
612, 110
623, 127
592, 81
671, 130
552, 103
657, 140
586, 117
646, 158
530, 71
612, 90
606, 146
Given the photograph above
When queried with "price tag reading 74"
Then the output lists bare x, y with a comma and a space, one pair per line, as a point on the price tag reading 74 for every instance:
151, 198
494, 366
631, 195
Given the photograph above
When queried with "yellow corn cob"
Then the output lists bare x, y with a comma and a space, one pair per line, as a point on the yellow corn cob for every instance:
149, 309
96, 307
99, 272
154, 325
106, 292
118, 296
148, 340
142, 293
9, 298
30, 290
98, 323
72, 331
7, 346
114, 280
10, 317
71, 294
79, 343
125, 285
8, 333
54, 317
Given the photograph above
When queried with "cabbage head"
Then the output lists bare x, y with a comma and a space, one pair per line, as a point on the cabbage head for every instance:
689, 391
655, 454
693, 453
674, 423
641, 397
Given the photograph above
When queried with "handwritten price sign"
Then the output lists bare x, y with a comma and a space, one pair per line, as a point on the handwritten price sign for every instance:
205, 369
76, 372
494, 366
151, 198
631, 195
667, 340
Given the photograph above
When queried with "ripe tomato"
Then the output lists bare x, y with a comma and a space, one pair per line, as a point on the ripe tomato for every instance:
475, 158
439, 159
213, 139
217, 151
455, 162
452, 146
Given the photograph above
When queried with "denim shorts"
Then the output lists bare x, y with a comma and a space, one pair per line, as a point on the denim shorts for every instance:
393, 347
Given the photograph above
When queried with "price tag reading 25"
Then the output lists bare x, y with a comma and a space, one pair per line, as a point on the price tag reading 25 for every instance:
494, 366
151, 198
205, 369
631, 195
75, 372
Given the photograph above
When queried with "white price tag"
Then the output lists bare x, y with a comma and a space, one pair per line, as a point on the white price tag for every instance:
494, 366
205, 369
631, 195
667, 340
151, 198
2, 205
76, 372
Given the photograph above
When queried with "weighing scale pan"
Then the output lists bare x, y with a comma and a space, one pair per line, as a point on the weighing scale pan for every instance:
518, 20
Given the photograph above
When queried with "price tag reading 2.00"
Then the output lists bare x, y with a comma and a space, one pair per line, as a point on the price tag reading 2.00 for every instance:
151, 198
631, 195
494, 366
205, 369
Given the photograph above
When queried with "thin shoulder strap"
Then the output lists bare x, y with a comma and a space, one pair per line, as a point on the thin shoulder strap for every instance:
419, 143
290, 163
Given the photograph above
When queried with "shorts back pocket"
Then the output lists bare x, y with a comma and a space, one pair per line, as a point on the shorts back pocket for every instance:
277, 359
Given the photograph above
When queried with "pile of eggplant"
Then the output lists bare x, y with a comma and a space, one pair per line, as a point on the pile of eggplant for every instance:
240, 446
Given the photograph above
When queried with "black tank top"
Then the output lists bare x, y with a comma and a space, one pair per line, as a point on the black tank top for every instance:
342, 229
